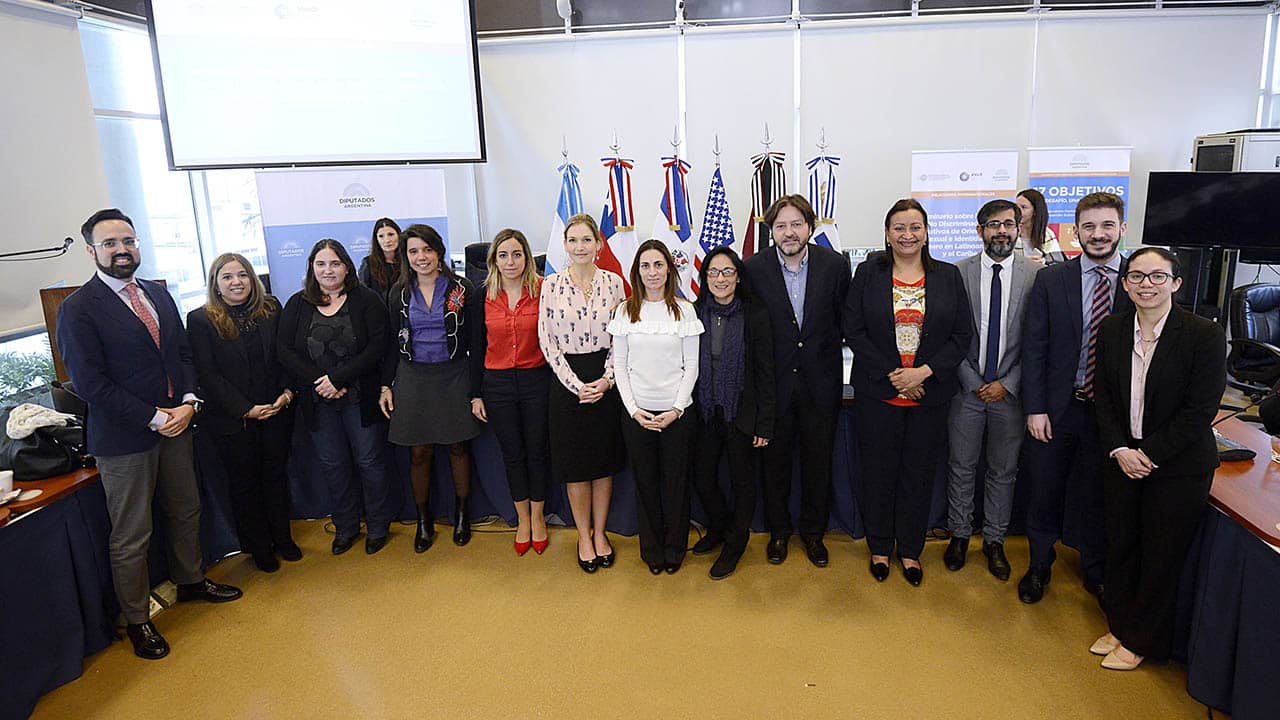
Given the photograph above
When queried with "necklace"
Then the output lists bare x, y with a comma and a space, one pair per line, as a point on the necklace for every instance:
586, 291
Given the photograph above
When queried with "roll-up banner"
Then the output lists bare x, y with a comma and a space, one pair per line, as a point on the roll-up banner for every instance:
300, 207
1065, 175
952, 185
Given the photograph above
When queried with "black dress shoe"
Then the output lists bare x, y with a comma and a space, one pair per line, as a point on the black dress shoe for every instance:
655, 569
708, 543
343, 544
209, 591
914, 575
777, 550
724, 565
606, 561
957, 549
672, 568
289, 551
589, 566
148, 643
374, 544
266, 561
997, 563
1032, 585
816, 551
879, 571
423, 535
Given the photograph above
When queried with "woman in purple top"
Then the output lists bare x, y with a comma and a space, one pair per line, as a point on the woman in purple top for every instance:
426, 380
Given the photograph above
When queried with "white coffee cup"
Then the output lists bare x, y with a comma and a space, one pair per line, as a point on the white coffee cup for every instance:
6, 481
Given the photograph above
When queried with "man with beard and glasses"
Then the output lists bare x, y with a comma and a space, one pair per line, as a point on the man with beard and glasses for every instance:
803, 286
126, 351
1068, 302
997, 281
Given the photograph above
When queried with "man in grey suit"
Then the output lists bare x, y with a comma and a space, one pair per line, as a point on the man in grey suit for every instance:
997, 280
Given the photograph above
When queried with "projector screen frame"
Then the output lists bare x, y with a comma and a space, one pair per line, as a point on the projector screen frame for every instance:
168, 143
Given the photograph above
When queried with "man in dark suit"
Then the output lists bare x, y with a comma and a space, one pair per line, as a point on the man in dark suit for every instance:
1068, 302
997, 281
804, 286
126, 352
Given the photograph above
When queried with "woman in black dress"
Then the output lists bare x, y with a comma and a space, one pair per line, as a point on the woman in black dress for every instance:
233, 341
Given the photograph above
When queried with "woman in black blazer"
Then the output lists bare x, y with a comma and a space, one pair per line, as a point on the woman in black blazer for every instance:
233, 341
734, 404
1161, 373
332, 338
905, 355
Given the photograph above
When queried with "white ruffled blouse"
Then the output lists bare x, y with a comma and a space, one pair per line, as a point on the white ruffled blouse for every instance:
655, 360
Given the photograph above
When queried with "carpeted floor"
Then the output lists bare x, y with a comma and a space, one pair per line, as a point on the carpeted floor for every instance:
479, 632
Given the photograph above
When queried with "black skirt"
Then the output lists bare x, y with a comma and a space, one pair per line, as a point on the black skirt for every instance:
586, 440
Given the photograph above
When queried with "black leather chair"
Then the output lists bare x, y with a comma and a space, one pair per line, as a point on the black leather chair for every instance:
477, 256
1253, 366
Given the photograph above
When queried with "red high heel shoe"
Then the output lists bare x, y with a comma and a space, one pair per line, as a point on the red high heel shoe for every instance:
522, 547
541, 545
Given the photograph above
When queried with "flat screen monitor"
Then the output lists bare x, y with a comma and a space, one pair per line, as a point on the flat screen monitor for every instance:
1213, 209
258, 83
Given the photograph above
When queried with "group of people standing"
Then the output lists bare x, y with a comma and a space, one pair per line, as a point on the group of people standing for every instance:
581, 373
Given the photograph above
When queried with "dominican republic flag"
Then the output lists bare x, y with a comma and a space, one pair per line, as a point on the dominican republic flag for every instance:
768, 183
568, 205
674, 227
822, 196
717, 229
617, 223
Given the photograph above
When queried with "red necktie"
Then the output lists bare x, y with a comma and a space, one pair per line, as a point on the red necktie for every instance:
1099, 308
148, 320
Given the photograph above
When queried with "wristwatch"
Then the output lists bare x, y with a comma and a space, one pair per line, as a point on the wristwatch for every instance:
196, 405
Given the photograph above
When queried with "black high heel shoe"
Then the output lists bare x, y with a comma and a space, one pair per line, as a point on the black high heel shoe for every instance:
914, 575
879, 571
606, 561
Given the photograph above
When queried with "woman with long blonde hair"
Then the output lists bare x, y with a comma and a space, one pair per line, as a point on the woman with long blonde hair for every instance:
233, 340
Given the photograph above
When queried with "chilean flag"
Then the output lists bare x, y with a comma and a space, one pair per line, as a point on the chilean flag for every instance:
617, 224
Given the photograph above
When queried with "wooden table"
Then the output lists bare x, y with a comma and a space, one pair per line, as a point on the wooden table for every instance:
1249, 491
54, 488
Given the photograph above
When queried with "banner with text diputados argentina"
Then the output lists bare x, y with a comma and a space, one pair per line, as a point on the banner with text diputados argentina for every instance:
1065, 175
952, 185
300, 207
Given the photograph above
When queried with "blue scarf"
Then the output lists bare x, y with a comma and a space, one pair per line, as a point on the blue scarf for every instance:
722, 389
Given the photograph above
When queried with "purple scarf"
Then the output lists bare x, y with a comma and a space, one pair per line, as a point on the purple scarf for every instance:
723, 389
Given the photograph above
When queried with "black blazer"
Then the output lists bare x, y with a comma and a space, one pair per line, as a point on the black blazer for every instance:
1185, 382
1052, 331
365, 274
117, 368
812, 352
757, 406
872, 335
368, 320
224, 371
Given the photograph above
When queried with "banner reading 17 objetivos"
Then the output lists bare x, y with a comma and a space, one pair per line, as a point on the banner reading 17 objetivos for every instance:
1065, 175
952, 185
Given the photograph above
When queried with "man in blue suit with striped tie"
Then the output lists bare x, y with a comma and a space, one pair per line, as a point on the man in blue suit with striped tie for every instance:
126, 351
1059, 339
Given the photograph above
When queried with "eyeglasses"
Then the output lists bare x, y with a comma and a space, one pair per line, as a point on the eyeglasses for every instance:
1159, 277
722, 272
113, 245
994, 225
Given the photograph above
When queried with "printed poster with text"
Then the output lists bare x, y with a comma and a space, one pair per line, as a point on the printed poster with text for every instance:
952, 185
300, 207
1064, 175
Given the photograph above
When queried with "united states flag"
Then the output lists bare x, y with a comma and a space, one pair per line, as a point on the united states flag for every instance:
717, 230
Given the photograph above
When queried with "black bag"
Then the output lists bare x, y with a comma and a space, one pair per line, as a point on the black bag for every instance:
45, 453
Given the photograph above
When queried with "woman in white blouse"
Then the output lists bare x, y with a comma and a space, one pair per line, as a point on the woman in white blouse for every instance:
585, 412
655, 354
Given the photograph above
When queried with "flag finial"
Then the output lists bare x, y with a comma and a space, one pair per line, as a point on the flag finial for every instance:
564, 148
715, 149
822, 140
767, 141
615, 147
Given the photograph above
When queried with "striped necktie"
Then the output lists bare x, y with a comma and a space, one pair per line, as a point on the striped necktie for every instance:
148, 320
1099, 308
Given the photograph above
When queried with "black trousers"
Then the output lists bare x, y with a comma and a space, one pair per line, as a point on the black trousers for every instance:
516, 402
255, 459
660, 462
898, 453
801, 428
1150, 525
1067, 472
716, 438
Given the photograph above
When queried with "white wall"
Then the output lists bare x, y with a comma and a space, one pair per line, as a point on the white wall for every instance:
51, 175
1152, 81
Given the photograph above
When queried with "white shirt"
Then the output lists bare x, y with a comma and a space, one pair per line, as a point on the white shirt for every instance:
1142, 354
655, 360
984, 305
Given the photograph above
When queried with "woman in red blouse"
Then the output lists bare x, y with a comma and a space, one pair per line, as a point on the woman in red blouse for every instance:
511, 383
